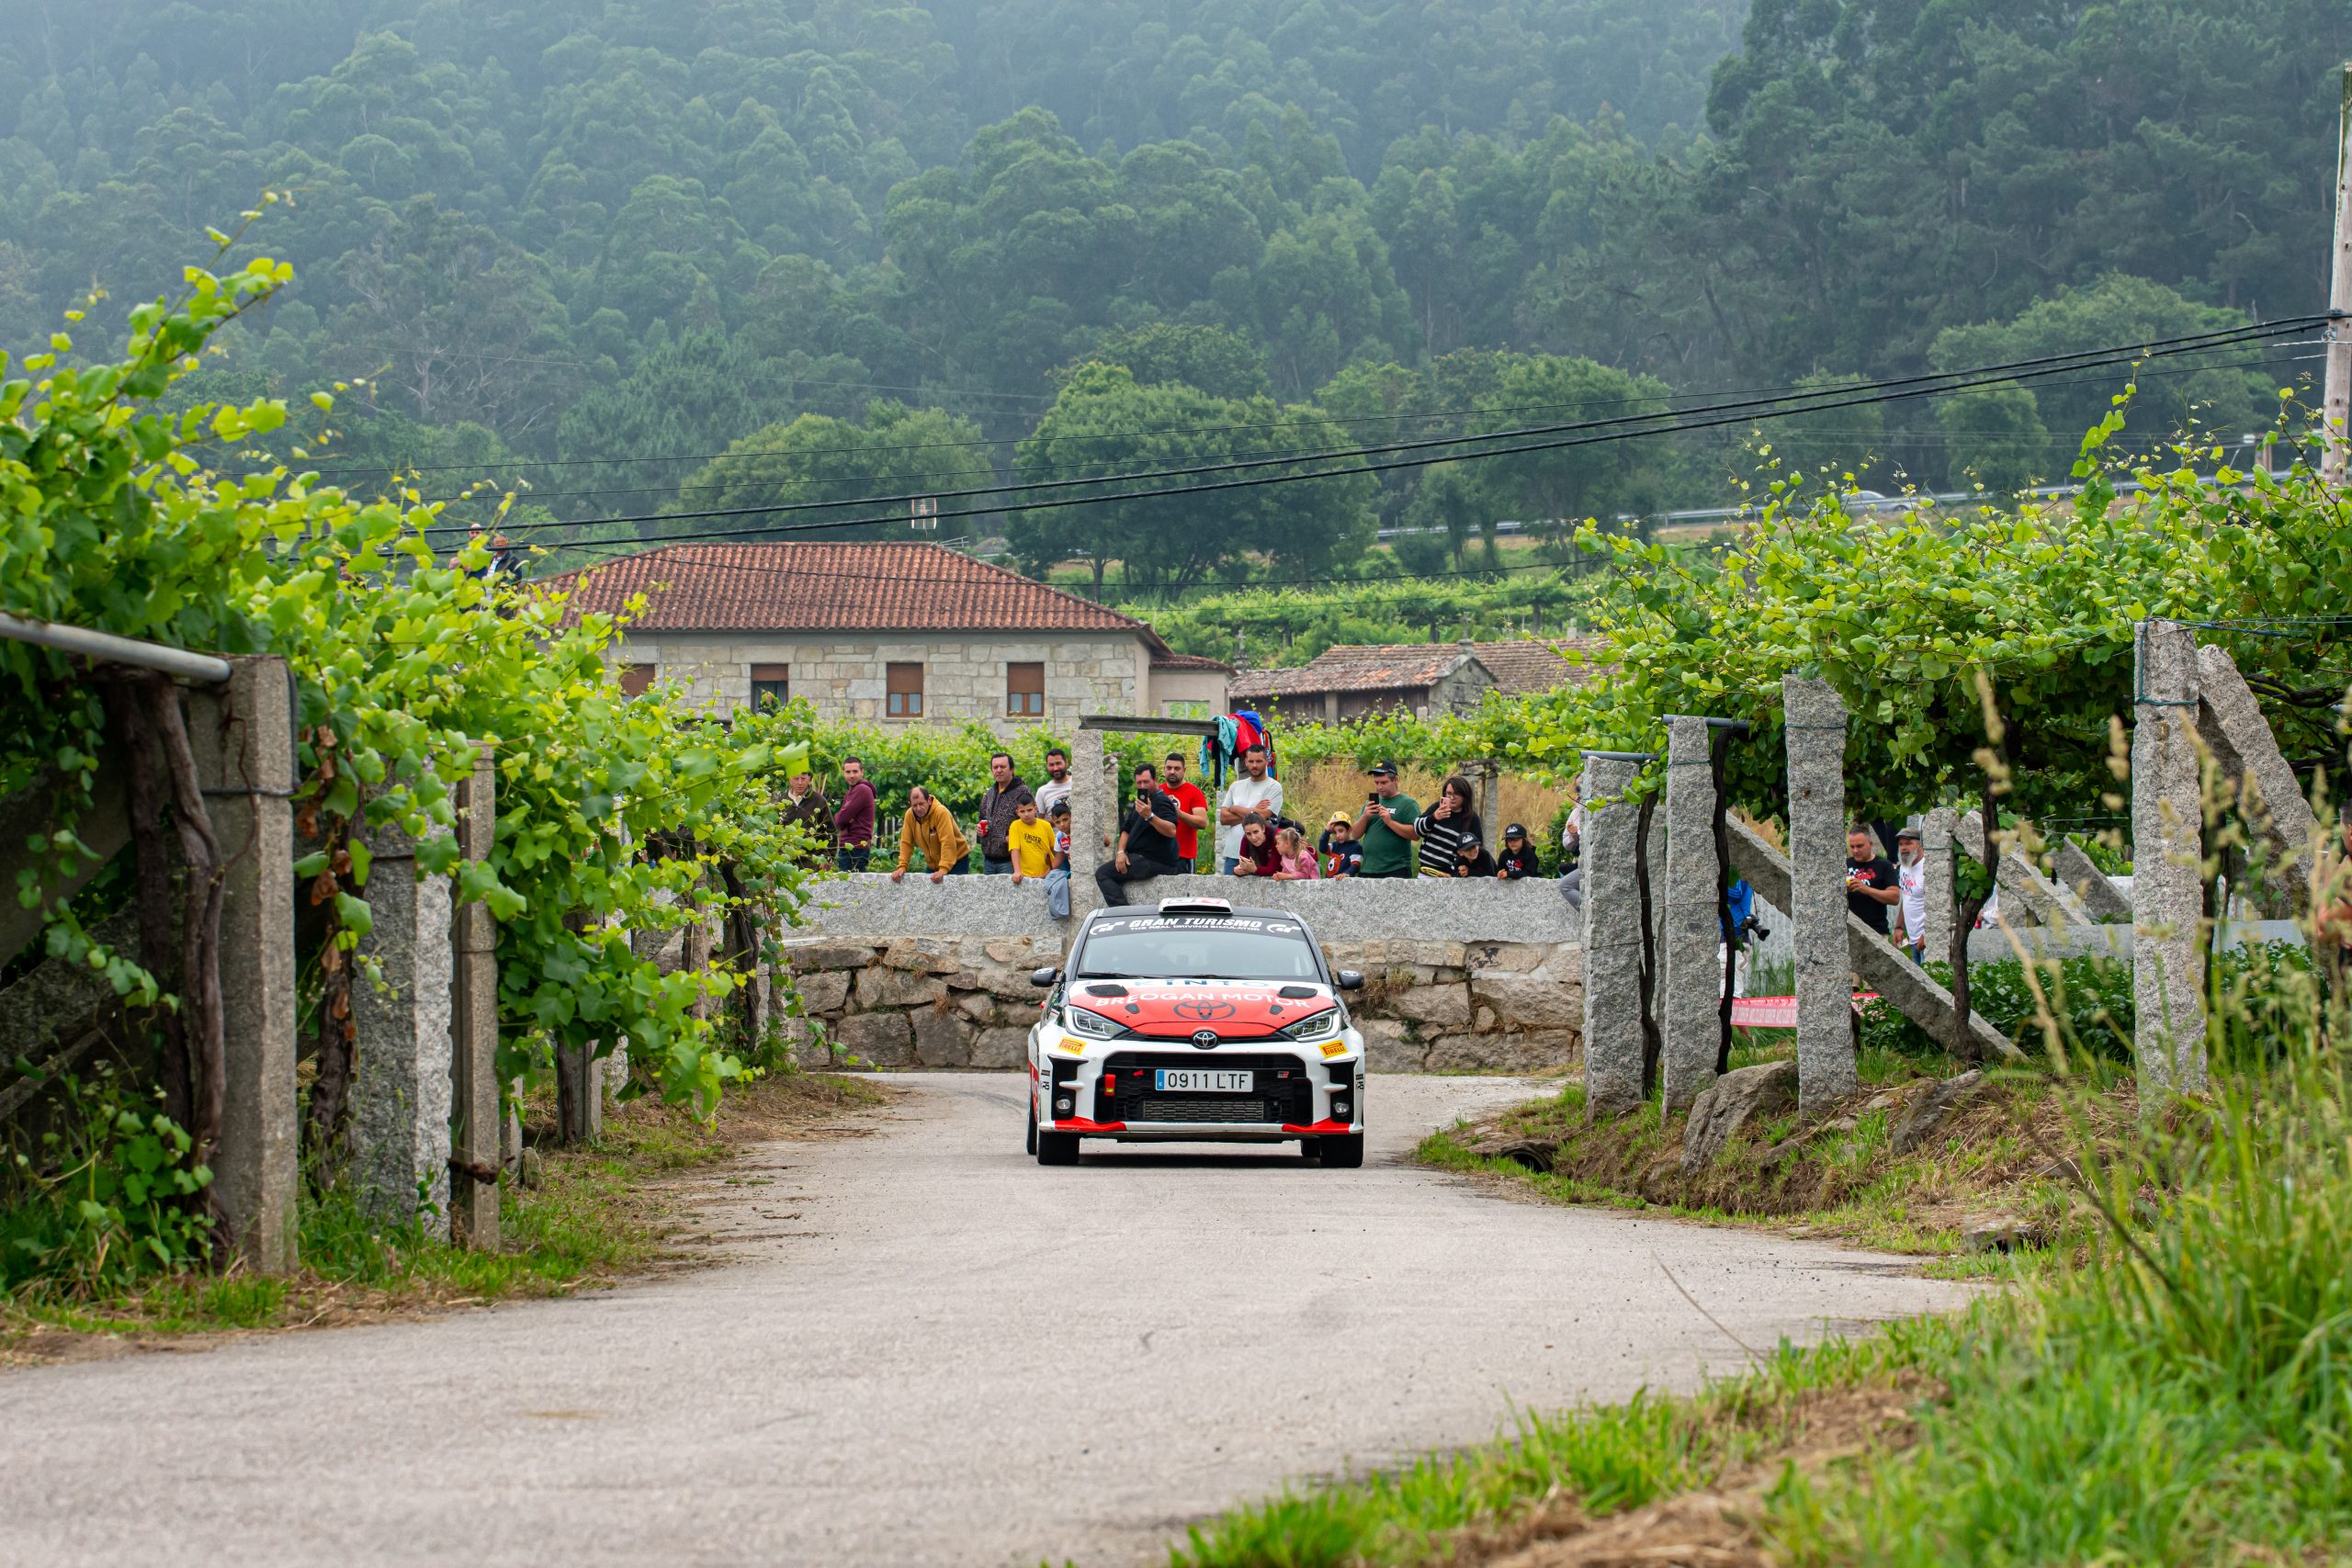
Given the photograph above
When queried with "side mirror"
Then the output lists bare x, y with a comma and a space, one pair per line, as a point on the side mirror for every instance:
1350, 980
1044, 979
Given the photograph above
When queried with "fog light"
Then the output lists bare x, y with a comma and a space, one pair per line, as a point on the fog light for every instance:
1339, 1109
1063, 1105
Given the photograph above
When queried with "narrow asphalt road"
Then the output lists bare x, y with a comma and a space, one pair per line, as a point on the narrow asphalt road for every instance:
933, 1351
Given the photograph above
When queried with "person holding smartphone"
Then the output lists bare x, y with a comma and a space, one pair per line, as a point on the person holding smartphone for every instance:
1385, 826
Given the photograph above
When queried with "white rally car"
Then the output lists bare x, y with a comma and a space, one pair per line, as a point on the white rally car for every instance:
1195, 1021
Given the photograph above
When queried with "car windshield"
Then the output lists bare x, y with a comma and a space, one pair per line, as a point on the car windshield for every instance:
1196, 947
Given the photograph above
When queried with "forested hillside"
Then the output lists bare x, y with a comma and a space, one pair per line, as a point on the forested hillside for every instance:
605, 232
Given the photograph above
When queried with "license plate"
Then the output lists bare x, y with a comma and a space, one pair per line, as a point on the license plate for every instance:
1187, 1080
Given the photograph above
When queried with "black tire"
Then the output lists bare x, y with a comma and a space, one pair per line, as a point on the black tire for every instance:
1342, 1151
1032, 1126
1056, 1148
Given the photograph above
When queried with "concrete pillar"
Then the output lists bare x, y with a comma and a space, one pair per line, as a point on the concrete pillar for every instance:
473, 1027
2230, 723
402, 1082
1691, 1015
1943, 895
1826, 1070
243, 737
1612, 937
2167, 833
2077, 873
579, 1094
1093, 803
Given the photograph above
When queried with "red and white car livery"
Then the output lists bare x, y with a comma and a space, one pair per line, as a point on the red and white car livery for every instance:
1195, 1021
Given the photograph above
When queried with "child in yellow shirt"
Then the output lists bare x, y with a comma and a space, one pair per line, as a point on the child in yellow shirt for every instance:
1030, 842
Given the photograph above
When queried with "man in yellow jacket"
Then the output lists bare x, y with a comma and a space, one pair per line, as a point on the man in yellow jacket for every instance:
931, 827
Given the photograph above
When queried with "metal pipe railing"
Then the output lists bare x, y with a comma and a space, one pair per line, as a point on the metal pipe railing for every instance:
106, 646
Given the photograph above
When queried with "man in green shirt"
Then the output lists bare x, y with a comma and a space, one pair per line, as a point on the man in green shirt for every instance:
1385, 830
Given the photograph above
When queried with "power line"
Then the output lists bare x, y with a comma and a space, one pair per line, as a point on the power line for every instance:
1607, 429
753, 460
1888, 391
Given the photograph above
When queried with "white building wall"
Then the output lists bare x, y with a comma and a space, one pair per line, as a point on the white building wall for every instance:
844, 676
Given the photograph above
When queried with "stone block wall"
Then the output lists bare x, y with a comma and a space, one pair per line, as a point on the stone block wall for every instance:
967, 1001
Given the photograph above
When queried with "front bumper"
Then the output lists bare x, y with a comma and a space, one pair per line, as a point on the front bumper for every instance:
1293, 1092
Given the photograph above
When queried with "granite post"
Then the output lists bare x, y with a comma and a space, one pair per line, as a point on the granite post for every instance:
1826, 1069
2232, 727
473, 1027
1094, 812
402, 1076
2078, 874
1943, 898
243, 737
1612, 934
1689, 1011
2167, 891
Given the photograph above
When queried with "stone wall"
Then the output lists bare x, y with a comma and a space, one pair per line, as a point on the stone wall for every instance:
844, 676
918, 973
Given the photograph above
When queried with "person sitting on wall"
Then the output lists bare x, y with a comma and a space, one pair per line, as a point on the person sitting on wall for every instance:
1342, 856
1518, 861
1260, 856
1293, 862
1058, 879
1146, 846
1474, 859
930, 827
1385, 828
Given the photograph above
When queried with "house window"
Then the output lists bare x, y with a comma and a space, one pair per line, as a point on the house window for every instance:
636, 677
905, 688
771, 686
1024, 690
1179, 707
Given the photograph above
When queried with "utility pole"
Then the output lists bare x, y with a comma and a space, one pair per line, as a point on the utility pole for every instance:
2336, 411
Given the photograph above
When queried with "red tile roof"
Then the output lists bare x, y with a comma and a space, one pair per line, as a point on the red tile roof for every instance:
828, 585
1187, 661
1375, 667
1517, 666
1540, 665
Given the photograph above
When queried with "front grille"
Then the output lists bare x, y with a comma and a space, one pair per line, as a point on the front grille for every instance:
1223, 1061
1197, 1107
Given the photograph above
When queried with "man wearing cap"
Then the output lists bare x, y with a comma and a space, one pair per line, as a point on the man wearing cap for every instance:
1342, 856
1385, 828
1518, 860
1911, 877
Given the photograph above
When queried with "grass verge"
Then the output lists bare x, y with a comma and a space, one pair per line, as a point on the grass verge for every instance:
1991, 1160
597, 1213
2176, 1390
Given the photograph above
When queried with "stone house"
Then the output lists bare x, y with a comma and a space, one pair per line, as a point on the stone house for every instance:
886, 632
1426, 680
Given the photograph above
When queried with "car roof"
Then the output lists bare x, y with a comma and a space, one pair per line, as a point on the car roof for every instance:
1258, 912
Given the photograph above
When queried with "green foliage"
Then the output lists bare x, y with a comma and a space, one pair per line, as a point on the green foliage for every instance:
405, 661
1104, 423
897, 451
2090, 997
1286, 625
111, 1194
1919, 625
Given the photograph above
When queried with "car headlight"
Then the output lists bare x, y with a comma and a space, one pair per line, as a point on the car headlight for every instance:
1323, 1025
1093, 1025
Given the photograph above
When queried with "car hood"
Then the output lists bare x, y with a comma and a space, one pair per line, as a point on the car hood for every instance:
1236, 1009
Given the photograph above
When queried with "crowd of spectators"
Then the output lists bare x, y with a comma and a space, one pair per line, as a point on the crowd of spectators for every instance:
1022, 832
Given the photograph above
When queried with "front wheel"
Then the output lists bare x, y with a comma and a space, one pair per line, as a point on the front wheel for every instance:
1032, 1124
1056, 1148
1342, 1151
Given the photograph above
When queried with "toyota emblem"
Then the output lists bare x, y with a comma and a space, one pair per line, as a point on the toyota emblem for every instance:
1204, 1039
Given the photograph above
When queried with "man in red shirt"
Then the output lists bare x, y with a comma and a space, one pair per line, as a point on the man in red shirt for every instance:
1192, 809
